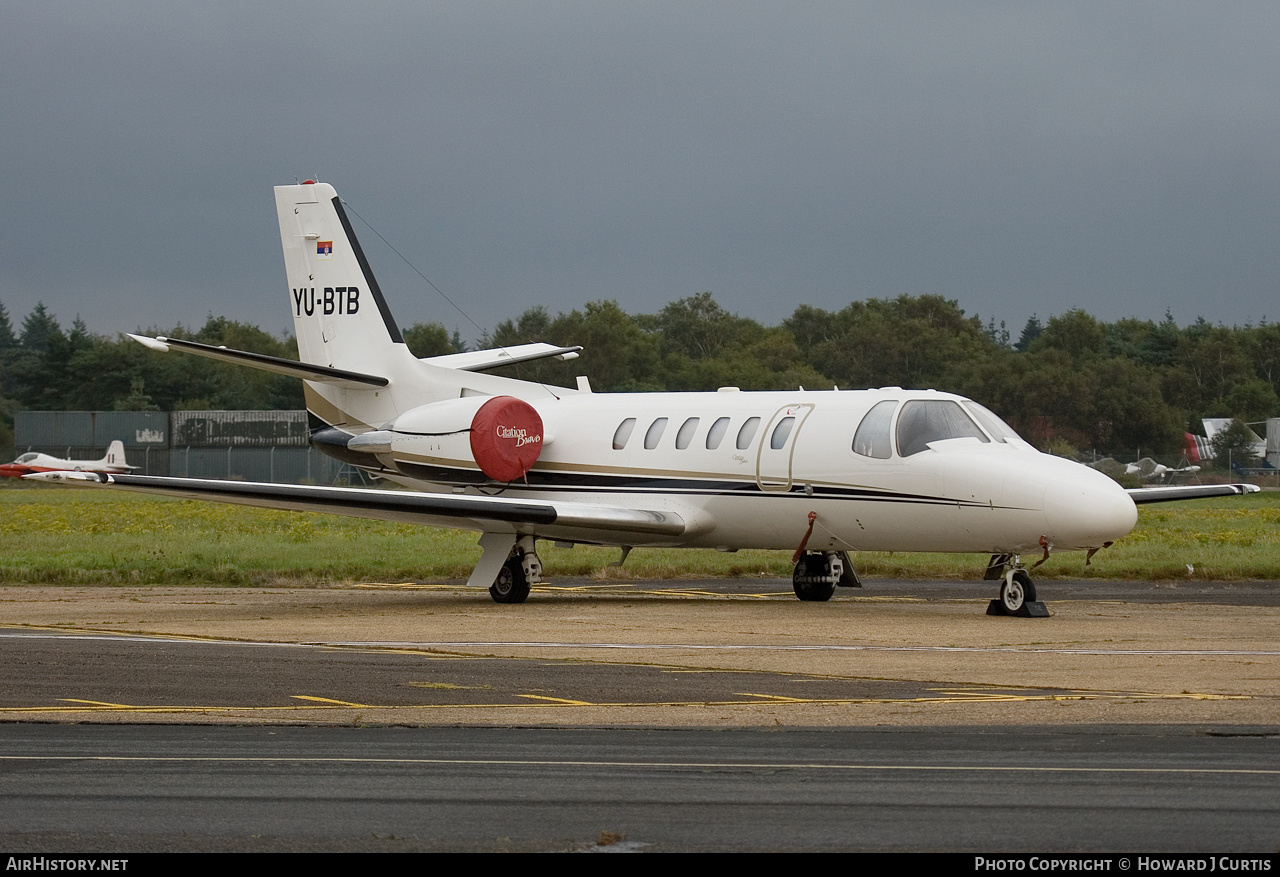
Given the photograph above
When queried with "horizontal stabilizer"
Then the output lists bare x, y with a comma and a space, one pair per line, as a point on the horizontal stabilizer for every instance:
556, 519
1142, 495
293, 369
483, 360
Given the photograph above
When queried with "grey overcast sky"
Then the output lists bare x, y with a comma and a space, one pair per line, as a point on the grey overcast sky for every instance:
1018, 157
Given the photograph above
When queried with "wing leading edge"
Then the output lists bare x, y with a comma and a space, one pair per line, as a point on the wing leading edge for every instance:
570, 521
1142, 495
304, 370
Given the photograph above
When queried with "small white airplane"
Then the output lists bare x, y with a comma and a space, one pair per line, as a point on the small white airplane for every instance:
820, 473
35, 462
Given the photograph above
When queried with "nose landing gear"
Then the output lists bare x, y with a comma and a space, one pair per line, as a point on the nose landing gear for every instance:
1017, 591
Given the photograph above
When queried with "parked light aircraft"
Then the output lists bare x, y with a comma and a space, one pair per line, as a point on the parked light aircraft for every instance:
1200, 447
821, 473
35, 462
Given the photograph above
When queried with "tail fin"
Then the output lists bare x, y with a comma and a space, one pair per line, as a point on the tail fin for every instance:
339, 314
115, 455
357, 371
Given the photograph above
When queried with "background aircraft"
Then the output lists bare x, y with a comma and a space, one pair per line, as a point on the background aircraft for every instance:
26, 464
1201, 447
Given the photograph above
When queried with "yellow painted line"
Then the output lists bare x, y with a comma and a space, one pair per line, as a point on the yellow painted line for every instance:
413, 586
773, 698
593, 586
319, 703
563, 701
621, 588
328, 700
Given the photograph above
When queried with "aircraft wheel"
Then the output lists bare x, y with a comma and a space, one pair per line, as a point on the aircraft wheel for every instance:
1017, 590
510, 586
810, 591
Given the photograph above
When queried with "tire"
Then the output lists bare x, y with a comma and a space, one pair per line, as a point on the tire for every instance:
810, 591
1016, 591
510, 586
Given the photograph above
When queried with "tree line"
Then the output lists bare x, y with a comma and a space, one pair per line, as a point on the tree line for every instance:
1068, 380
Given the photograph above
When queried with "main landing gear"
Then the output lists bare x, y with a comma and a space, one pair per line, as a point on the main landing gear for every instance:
509, 565
1017, 591
521, 570
817, 574
512, 584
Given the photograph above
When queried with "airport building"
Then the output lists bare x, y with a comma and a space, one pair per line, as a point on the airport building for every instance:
241, 445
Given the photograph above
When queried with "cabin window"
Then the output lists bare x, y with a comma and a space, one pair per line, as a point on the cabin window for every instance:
685, 435
623, 433
874, 437
926, 420
27, 458
715, 434
747, 433
1000, 431
654, 435
781, 433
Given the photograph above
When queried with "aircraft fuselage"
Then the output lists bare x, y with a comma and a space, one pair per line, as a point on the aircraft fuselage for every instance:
745, 469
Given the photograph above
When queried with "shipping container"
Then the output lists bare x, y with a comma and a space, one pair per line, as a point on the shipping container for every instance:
245, 429
53, 429
137, 429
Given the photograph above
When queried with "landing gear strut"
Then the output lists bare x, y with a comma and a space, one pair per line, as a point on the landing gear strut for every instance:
1017, 591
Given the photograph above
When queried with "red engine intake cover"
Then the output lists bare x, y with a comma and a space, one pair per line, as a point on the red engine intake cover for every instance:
506, 438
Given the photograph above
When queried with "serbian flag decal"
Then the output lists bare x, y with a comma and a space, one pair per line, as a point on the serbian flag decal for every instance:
324, 250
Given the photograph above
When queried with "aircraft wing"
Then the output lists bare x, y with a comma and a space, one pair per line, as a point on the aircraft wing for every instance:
483, 360
565, 520
1142, 495
305, 370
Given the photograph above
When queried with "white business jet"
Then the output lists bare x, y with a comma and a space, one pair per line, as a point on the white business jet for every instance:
819, 473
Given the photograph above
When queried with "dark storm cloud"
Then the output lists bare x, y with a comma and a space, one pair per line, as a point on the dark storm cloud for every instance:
1016, 157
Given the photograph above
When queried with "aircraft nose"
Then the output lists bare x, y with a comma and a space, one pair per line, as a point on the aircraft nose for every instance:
1087, 510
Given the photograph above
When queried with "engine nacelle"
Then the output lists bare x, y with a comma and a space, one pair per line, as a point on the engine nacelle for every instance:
502, 435
506, 438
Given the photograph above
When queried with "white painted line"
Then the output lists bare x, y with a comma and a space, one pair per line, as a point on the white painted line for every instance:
795, 648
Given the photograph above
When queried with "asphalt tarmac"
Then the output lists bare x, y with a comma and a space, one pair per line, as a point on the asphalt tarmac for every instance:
127, 789
738, 653
677, 715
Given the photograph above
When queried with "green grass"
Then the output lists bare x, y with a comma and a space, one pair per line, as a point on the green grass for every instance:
56, 535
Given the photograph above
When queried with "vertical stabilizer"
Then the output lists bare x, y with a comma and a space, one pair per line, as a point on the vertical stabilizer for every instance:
115, 454
339, 314
342, 321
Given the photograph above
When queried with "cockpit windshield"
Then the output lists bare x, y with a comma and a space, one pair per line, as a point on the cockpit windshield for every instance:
26, 458
927, 420
1000, 431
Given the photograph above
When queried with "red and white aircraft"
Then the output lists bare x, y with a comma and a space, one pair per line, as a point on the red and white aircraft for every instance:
34, 462
821, 473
